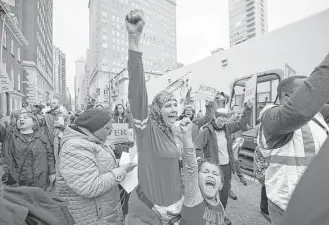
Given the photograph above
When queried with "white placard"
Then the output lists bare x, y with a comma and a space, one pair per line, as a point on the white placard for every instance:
120, 133
204, 92
131, 180
250, 91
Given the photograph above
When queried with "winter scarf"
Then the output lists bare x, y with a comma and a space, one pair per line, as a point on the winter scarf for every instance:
155, 110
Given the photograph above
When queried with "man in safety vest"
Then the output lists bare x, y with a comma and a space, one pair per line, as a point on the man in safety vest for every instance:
292, 133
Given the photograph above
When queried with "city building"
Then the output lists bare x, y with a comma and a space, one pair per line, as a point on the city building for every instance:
80, 66
59, 74
36, 18
247, 19
11, 54
108, 42
68, 100
119, 85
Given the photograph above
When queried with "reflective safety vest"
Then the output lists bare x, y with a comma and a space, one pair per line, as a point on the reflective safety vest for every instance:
288, 162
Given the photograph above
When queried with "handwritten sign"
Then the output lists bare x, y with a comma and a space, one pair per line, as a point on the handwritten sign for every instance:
120, 133
250, 90
5, 83
204, 92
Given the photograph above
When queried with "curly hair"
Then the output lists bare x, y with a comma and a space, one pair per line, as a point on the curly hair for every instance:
182, 116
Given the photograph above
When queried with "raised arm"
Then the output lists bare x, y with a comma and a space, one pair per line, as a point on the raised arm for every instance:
242, 122
207, 117
193, 195
201, 142
137, 87
305, 102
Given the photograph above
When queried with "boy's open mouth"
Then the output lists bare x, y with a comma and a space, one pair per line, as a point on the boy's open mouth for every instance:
210, 184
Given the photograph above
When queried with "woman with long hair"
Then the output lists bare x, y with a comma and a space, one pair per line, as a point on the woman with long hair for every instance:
120, 115
27, 153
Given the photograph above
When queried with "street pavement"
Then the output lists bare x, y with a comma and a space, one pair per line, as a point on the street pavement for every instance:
245, 210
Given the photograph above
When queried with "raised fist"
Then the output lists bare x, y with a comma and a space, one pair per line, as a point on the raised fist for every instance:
186, 126
135, 22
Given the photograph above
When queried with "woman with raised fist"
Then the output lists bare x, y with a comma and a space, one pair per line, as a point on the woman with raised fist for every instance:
158, 198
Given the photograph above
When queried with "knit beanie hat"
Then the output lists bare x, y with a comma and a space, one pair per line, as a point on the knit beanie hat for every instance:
93, 119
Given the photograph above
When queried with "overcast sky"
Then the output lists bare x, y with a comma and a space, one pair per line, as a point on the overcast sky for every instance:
202, 26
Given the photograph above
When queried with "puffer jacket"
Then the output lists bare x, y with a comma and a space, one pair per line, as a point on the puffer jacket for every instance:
87, 174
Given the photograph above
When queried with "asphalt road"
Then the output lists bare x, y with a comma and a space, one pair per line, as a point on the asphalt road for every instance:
245, 210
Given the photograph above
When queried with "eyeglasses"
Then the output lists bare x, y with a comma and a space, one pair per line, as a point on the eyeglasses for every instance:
222, 116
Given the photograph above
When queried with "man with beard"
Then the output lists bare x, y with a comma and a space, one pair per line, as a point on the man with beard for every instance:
215, 142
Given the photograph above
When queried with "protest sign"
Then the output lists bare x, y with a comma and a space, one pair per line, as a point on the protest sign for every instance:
250, 91
120, 133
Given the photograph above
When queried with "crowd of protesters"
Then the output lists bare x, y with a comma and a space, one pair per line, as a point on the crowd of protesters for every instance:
57, 167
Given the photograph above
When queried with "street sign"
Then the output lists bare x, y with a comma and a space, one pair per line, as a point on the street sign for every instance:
289, 71
250, 90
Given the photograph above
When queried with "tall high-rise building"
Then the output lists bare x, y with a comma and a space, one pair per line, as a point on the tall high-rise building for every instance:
36, 18
248, 19
108, 41
80, 66
59, 72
